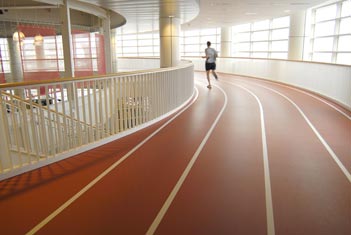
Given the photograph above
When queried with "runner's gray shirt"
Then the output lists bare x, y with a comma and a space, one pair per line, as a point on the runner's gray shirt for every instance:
211, 54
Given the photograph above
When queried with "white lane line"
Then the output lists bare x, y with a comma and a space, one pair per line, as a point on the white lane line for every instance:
319, 136
306, 93
107, 171
267, 178
268, 190
182, 178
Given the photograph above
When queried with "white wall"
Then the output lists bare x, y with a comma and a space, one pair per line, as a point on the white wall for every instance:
126, 64
329, 80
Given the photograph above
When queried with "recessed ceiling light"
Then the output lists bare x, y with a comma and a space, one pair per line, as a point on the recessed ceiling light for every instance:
250, 13
278, 4
299, 3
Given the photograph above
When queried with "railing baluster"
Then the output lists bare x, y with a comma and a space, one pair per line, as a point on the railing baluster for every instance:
90, 122
52, 146
65, 119
106, 109
83, 111
96, 121
58, 133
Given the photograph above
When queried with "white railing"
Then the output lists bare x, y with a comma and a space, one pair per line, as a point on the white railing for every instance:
72, 115
330, 80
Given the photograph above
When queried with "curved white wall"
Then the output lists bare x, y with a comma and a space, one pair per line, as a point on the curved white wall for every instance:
329, 80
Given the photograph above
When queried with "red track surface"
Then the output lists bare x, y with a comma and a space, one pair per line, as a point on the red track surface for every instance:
225, 190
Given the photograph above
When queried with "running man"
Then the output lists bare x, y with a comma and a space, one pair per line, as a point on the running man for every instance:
211, 55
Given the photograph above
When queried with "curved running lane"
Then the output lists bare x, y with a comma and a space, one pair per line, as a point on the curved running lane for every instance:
248, 156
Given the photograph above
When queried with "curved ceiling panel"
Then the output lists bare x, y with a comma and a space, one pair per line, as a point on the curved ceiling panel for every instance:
145, 14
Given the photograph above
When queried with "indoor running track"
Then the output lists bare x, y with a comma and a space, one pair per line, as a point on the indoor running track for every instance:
246, 157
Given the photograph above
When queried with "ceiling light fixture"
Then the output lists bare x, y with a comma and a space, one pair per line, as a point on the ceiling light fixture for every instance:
38, 40
18, 36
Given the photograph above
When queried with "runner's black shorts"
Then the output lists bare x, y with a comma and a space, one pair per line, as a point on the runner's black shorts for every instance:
210, 66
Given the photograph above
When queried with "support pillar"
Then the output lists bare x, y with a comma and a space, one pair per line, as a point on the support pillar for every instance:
169, 41
226, 41
114, 52
15, 61
106, 27
68, 51
15, 64
67, 39
297, 35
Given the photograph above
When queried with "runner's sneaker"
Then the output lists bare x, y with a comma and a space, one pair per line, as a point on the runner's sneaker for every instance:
216, 77
209, 86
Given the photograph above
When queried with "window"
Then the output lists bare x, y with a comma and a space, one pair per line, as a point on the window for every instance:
330, 39
325, 13
323, 44
343, 58
243, 37
193, 42
260, 36
263, 39
325, 28
260, 46
280, 46
345, 26
279, 34
344, 43
130, 42
5, 58
346, 9
322, 57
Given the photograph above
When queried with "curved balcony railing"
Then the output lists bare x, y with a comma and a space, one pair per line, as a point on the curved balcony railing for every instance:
43, 122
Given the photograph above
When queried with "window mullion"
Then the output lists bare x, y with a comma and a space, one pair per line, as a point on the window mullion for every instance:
336, 32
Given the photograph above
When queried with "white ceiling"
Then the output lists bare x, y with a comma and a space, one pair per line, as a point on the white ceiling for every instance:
219, 13
205, 13
194, 14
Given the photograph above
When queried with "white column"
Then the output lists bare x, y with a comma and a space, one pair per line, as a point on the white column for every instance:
15, 61
226, 41
106, 25
169, 41
297, 35
15, 64
114, 51
67, 39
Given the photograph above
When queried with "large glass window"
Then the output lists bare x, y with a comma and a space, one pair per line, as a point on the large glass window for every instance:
330, 40
323, 44
281, 46
279, 34
5, 57
344, 43
263, 39
130, 42
325, 13
345, 26
325, 28
193, 42
346, 9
